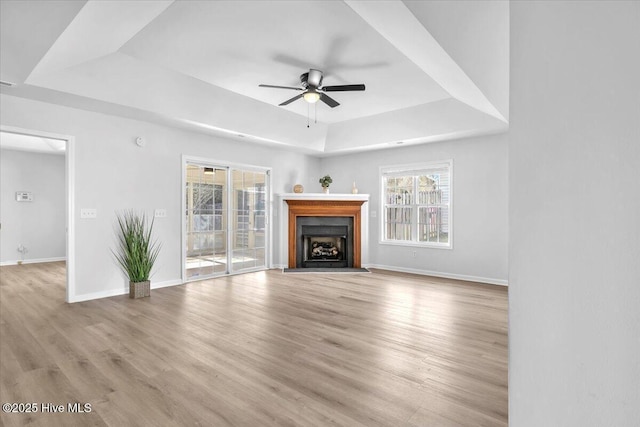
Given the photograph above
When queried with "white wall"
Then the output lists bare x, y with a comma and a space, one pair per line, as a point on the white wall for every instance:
38, 225
574, 213
479, 206
112, 173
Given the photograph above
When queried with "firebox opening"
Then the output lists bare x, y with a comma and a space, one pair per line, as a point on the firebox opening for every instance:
323, 248
324, 242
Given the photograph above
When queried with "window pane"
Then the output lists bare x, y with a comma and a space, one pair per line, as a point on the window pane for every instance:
398, 223
259, 222
429, 224
429, 191
202, 222
218, 223
399, 190
248, 179
444, 229
260, 257
218, 196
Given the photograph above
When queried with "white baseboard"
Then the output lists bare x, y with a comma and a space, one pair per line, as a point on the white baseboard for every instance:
33, 261
99, 295
165, 284
478, 279
123, 291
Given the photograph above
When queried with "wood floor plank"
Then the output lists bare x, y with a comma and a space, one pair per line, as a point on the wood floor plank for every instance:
265, 348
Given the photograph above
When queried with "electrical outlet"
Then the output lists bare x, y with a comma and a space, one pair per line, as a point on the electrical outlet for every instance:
86, 213
415, 253
160, 213
374, 214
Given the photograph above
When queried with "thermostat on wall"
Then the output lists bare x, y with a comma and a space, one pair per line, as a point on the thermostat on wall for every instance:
24, 196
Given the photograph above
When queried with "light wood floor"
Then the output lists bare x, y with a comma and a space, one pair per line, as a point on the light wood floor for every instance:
261, 349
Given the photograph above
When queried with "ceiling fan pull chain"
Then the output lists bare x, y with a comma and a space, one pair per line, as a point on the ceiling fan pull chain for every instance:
307, 115
315, 113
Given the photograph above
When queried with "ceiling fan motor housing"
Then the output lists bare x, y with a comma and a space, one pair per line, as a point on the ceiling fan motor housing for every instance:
316, 78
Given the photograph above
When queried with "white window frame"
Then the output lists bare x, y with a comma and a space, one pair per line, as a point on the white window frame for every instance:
409, 169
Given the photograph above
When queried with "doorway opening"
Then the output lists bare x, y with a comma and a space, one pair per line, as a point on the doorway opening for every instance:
37, 202
225, 224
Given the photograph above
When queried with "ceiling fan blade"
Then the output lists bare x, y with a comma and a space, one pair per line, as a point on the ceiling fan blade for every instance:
294, 62
329, 101
289, 101
342, 88
315, 77
281, 87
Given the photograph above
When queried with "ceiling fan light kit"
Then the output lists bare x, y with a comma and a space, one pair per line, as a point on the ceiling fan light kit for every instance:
311, 97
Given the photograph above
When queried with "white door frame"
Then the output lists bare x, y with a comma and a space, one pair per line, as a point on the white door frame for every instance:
186, 159
70, 181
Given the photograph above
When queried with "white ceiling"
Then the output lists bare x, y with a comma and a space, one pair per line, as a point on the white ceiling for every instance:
433, 70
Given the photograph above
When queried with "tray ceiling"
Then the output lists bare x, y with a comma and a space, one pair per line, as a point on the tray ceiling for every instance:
433, 70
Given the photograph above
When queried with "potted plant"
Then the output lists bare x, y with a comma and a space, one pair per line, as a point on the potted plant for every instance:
136, 251
325, 181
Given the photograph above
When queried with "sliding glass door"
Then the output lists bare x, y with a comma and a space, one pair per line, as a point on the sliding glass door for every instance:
226, 217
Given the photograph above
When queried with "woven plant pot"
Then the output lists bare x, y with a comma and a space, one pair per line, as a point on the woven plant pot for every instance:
140, 289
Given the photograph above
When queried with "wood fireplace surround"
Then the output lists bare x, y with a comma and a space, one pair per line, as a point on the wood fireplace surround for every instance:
325, 208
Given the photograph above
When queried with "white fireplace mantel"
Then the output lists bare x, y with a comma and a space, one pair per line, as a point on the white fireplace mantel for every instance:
284, 219
323, 196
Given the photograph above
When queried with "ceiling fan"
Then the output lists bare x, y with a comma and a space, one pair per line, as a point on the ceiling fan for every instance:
313, 91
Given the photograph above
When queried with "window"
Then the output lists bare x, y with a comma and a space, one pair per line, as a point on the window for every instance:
416, 204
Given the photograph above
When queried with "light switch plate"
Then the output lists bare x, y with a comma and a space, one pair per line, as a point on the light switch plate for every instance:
160, 213
374, 214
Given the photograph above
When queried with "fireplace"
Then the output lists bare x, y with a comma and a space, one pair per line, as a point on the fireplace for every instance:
324, 242
324, 233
